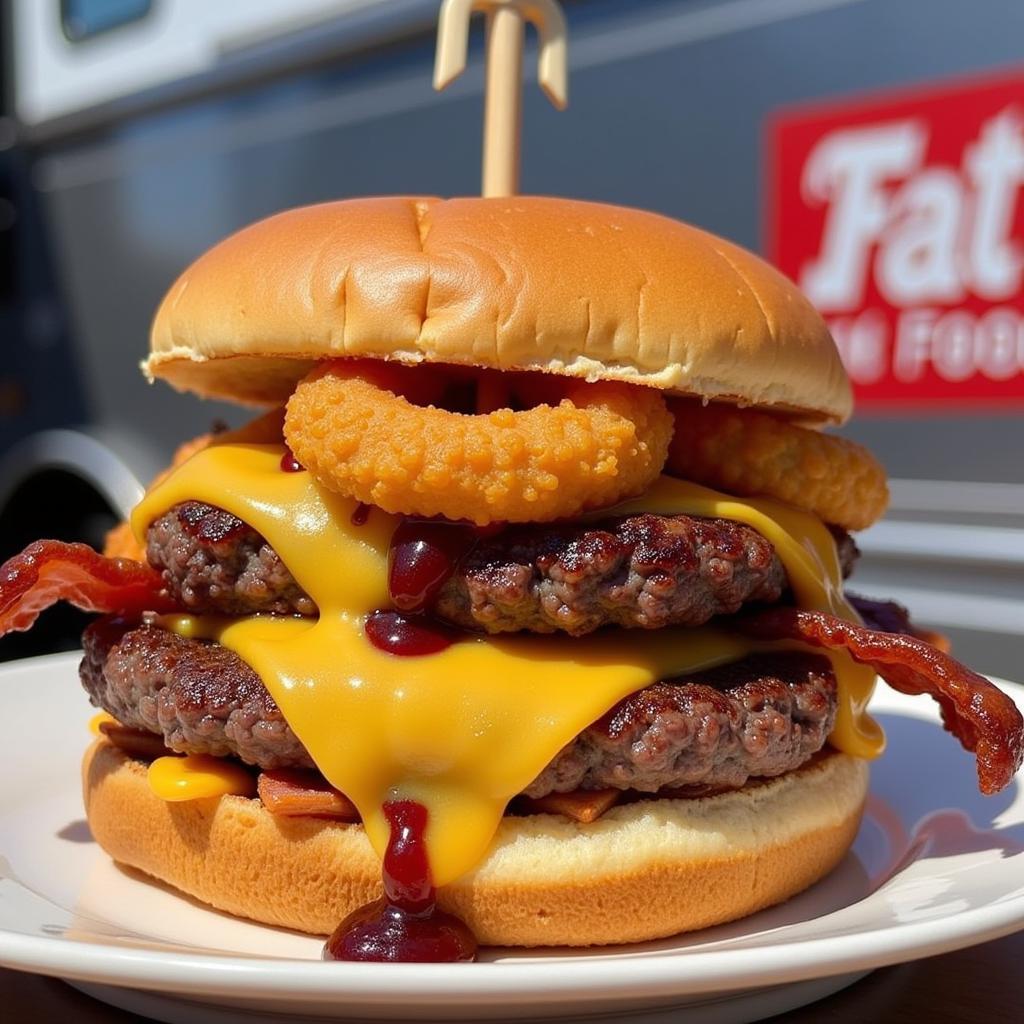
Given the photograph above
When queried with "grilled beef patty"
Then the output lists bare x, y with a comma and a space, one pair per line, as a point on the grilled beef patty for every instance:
644, 571
759, 717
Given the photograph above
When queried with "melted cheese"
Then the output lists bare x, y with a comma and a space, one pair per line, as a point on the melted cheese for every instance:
808, 552
466, 729
99, 719
197, 776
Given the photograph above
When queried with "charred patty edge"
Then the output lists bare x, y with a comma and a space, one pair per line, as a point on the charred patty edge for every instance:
644, 571
760, 717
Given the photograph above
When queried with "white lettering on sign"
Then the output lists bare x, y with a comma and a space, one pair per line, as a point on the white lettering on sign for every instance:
913, 343
922, 234
847, 170
902, 218
917, 254
863, 343
956, 344
995, 165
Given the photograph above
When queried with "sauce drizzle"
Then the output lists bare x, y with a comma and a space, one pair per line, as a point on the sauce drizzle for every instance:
290, 464
407, 636
405, 925
423, 555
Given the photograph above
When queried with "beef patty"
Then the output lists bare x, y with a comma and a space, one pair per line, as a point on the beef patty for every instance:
759, 717
643, 571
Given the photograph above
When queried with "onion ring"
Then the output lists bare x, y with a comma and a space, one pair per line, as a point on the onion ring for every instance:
748, 453
353, 428
120, 542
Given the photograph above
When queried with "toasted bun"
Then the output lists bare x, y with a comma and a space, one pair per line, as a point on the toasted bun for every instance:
558, 285
644, 870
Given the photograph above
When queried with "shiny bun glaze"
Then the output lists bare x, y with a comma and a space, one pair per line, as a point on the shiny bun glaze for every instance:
581, 289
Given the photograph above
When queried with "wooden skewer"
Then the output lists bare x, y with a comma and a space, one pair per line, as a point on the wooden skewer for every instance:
503, 101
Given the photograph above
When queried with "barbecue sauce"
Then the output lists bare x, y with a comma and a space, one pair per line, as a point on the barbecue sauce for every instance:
407, 636
290, 464
404, 926
423, 556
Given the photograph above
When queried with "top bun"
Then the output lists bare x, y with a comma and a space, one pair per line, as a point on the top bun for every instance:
581, 289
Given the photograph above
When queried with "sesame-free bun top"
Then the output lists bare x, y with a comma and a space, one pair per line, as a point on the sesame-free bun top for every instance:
581, 289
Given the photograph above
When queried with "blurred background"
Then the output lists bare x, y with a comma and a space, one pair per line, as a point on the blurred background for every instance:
874, 149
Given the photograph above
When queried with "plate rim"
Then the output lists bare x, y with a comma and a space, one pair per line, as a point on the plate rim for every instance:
656, 974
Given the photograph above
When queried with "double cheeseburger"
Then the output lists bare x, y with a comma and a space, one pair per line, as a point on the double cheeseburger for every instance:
530, 585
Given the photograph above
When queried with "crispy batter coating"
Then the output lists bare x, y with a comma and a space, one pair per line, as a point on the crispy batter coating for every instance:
745, 452
351, 425
120, 542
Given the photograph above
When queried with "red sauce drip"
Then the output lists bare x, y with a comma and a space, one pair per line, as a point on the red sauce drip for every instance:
404, 926
408, 637
423, 555
361, 514
290, 464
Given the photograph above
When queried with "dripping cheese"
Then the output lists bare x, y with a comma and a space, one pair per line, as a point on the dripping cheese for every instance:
198, 776
463, 730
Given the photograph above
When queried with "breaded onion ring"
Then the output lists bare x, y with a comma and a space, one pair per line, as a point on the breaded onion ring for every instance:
120, 542
351, 426
750, 453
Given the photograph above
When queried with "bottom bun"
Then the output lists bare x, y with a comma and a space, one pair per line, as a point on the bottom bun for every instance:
644, 870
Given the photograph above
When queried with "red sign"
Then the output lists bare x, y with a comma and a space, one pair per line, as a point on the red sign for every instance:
902, 219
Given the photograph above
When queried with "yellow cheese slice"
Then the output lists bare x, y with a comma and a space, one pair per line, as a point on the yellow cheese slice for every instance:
466, 729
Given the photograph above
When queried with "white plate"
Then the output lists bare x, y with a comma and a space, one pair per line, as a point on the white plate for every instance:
936, 866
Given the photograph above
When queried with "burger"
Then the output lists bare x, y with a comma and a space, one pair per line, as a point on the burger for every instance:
520, 617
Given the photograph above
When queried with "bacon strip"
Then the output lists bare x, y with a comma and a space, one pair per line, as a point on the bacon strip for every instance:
983, 718
890, 617
583, 805
49, 571
296, 792
134, 742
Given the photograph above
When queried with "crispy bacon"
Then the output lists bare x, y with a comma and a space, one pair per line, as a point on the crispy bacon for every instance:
583, 805
297, 792
890, 617
146, 746
983, 718
49, 571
